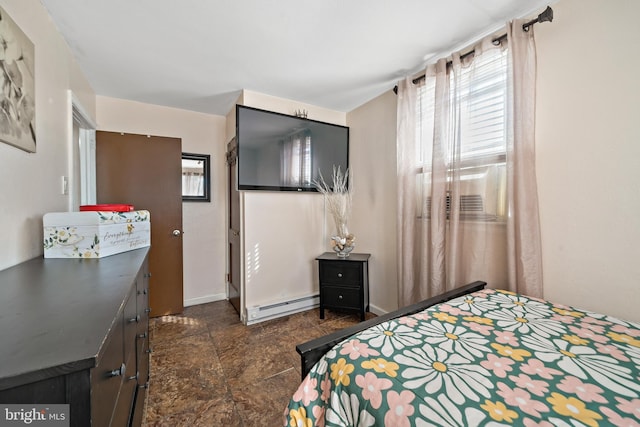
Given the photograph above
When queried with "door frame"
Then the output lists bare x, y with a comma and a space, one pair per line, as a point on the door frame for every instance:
81, 178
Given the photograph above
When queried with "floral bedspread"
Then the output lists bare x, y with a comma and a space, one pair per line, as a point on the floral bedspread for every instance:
490, 358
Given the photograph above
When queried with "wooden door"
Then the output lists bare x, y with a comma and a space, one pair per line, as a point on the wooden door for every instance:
145, 171
234, 226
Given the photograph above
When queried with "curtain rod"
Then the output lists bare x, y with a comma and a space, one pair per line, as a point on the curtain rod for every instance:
545, 16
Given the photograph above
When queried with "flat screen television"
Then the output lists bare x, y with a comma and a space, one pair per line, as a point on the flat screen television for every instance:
279, 152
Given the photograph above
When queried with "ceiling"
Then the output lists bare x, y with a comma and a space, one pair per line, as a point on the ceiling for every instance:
335, 54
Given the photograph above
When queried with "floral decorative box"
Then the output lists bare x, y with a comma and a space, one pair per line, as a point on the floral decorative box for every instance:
94, 234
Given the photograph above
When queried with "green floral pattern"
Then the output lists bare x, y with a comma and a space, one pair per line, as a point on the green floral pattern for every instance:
491, 358
108, 217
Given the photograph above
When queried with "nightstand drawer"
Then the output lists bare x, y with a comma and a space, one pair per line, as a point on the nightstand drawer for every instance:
339, 297
341, 273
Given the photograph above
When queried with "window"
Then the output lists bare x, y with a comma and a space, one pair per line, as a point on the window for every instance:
475, 157
196, 185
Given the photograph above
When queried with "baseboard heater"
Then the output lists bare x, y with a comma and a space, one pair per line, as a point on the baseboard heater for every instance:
260, 313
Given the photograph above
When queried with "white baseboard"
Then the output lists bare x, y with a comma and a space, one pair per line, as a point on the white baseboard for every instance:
258, 314
377, 310
205, 299
219, 297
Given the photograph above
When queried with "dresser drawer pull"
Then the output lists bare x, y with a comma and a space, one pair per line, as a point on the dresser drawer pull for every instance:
339, 296
135, 319
145, 385
149, 350
339, 274
142, 335
147, 310
118, 372
135, 377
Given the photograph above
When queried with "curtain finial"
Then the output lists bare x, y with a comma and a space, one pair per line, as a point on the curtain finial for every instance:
545, 16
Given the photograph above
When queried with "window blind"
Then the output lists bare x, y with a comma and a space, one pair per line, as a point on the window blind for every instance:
483, 91
480, 92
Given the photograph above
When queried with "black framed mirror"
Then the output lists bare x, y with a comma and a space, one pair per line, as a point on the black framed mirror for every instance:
196, 172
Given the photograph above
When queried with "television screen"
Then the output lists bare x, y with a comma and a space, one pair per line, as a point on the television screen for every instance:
278, 152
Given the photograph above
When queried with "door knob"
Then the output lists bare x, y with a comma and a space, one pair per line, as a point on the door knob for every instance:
176, 233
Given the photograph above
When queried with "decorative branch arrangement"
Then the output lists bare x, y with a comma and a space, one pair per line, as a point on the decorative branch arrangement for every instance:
338, 200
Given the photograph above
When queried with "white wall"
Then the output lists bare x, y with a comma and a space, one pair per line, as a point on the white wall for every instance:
588, 155
30, 182
204, 238
373, 165
282, 232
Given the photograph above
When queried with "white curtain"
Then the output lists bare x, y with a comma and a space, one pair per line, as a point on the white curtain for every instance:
525, 247
461, 172
192, 183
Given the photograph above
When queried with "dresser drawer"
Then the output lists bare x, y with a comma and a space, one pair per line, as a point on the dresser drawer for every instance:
107, 377
340, 297
138, 406
142, 357
341, 273
131, 320
143, 310
124, 406
142, 360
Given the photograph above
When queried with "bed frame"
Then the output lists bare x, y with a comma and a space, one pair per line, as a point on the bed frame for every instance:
311, 351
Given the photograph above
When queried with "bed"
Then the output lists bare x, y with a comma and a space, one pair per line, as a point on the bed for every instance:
473, 357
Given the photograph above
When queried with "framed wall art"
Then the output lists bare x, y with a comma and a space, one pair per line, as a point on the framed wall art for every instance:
17, 86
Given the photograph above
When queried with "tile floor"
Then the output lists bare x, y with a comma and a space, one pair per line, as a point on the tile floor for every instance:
208, 369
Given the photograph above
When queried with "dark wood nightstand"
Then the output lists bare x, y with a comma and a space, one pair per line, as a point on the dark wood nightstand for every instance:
344, 282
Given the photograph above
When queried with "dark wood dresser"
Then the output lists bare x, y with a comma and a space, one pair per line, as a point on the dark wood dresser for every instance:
75, 331
344, 282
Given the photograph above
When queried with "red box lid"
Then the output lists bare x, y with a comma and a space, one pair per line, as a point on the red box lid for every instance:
107, 208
